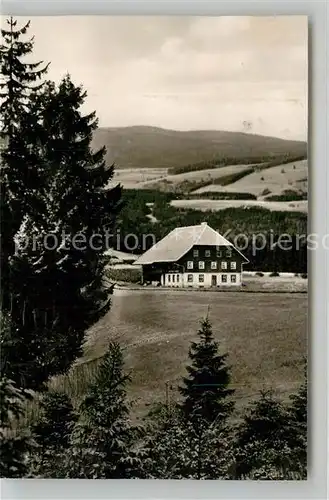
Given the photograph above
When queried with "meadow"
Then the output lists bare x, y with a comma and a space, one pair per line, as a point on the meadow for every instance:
136, 178
187, 179
264, 335
251, 180
215, 205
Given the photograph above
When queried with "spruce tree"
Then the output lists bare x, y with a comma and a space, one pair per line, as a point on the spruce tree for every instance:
58, 269
15, 444
206, 388
51, 434
177, 449
102, 443
19, 161
296, 428
262, 448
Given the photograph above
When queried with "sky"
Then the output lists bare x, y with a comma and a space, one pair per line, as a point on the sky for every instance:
185, 73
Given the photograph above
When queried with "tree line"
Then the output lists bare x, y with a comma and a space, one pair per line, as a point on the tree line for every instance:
250, 222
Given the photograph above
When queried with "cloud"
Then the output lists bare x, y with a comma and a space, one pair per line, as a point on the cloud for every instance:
184, 72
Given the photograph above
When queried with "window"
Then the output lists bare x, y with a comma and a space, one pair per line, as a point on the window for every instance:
201, 278
190, 278
169, 278
201, 264
224, 265
190, 264
233, 265
177, 278
224, 278
229, 252
214, 265
173, 278
195, 253
233, 278
219, 253
207, 253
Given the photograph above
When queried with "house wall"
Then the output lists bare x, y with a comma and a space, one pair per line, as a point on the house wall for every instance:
180, 269
182, 280
217, 254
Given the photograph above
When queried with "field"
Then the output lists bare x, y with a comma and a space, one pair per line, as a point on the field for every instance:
264, 334
277, 180
206, 204
179, 181
136, 178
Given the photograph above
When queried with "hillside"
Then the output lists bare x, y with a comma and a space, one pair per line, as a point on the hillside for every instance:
145, 147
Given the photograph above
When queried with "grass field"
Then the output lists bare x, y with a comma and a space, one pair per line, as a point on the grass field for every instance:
215, 205
143, 178
136, 178
275, 180
264, 334
180, 181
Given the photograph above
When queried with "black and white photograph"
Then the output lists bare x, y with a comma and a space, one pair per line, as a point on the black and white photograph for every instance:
154, 247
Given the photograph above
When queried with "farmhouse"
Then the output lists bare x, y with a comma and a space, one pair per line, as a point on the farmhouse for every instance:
193, 256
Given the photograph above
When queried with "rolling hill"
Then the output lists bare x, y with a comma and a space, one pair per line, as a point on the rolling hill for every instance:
152, 147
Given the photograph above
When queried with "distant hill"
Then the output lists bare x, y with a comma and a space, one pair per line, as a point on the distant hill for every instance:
151, 147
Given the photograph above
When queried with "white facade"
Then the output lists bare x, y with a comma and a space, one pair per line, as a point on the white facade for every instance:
200, 280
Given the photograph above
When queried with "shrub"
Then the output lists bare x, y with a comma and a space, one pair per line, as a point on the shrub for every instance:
259, 274
283, 171
304, 276
262, 178
230, 178
130, 275
224, 195
288, 195
274, 274
265, 192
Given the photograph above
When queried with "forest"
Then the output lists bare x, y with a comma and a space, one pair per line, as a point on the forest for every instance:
134, 219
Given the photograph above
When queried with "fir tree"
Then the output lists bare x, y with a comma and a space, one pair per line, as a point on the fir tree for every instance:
297, 428
57, 274
102, 441
15, 445
206, 389
177, 449
51, 434
19, 172
262, 448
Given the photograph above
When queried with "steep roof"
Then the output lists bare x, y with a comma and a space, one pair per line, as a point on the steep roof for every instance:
179, 241
122, 256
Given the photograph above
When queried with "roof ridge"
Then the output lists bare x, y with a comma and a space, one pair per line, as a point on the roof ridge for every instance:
203, 226
218, 233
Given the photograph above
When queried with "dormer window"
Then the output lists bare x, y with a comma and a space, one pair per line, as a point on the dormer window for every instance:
195, 253
207, 253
